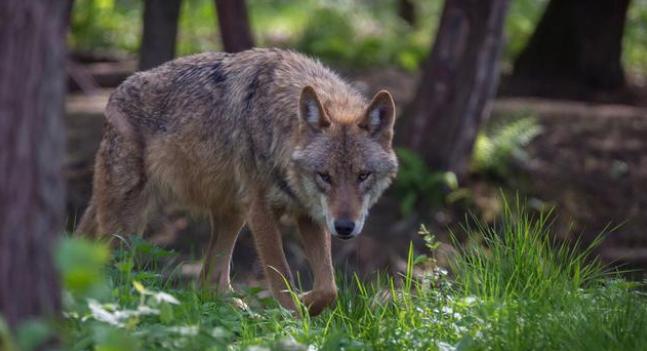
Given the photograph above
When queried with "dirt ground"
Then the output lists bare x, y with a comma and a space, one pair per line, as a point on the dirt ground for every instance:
590, 162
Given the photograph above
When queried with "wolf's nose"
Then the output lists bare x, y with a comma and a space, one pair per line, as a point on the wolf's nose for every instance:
344, 227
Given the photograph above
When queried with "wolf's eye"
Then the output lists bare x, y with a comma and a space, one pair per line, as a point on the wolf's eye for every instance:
325, 177
362, 176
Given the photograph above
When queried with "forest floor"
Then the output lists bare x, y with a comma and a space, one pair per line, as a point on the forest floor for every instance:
522, 293
589, 161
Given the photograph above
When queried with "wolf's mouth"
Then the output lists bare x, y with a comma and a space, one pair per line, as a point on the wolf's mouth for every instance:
345, 237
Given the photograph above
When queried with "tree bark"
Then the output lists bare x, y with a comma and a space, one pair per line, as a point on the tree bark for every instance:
577, 44
234, 25
407, 11
32, 62
458, 81
159, 32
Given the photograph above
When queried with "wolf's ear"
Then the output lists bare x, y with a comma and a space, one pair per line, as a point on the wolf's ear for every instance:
311, 110
379, 117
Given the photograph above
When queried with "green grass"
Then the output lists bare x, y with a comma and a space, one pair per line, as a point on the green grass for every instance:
513, 287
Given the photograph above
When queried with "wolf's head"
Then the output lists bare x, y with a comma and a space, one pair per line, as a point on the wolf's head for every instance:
344, 163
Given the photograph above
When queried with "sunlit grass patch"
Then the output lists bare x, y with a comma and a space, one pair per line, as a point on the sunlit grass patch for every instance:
520, 258
518, 290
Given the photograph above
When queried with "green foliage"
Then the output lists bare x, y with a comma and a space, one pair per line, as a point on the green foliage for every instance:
325, 35
197, 29
32, 334
113, 339
351, 33
497, 147
81, 264
320, 28
519, 291
535, 293
429, 238
6, 339
635, 38
416, 184
376, 42
520, 258
106, 25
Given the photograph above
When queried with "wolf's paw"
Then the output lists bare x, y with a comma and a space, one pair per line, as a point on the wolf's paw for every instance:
317, 300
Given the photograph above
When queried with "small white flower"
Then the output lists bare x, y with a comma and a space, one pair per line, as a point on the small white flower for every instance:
145, 310
219, 333
101, 314
469, 300
189, 330
447, 310
164, 297
443, 346
71, 315
258, 348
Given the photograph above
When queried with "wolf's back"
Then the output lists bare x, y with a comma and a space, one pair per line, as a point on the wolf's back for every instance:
222, 85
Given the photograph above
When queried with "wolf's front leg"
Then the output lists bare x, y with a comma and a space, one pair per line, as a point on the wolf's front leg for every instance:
316, 243
269, 246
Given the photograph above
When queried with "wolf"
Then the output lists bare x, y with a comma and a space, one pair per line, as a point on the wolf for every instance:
246, 138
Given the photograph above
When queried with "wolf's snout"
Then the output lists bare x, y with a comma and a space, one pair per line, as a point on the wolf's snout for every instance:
344, 228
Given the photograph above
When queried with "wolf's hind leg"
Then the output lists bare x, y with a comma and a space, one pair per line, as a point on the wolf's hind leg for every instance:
217, 262
120, 186
316, 243
88, 225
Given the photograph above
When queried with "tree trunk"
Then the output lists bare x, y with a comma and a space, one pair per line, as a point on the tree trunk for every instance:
407, 11
159, 33
32, 61
457, 83
234, 25
577, 44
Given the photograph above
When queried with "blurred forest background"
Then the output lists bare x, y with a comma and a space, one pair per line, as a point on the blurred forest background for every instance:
544, 99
